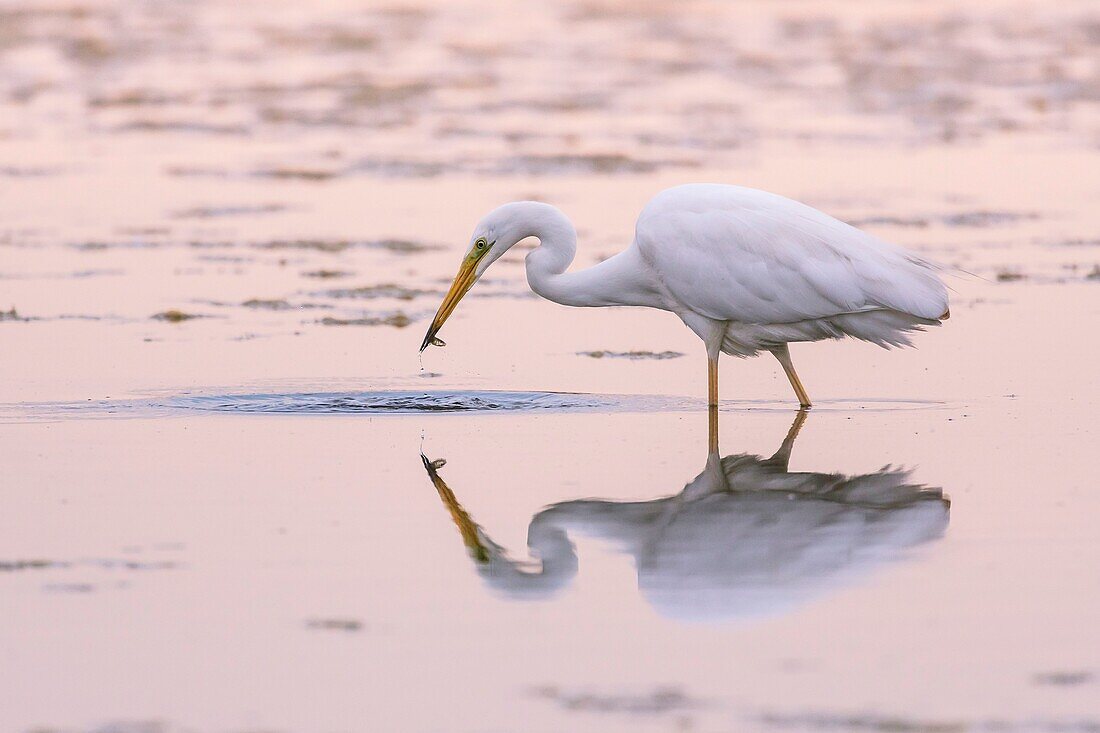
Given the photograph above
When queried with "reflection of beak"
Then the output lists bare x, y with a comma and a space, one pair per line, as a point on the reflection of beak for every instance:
464, 280
466, 526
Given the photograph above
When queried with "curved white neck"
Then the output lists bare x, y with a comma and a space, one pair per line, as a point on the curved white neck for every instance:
552, 547
620, 280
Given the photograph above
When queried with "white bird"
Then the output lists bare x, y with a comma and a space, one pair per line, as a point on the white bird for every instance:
746, 270
746, 538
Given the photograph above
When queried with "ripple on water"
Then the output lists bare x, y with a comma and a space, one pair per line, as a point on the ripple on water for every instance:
398, 402
405, 402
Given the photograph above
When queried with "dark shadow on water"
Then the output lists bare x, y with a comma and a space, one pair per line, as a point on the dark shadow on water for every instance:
745, 538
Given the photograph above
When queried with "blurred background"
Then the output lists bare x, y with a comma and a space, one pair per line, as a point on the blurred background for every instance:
282, 167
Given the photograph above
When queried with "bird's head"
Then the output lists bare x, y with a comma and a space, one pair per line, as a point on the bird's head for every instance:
493, 236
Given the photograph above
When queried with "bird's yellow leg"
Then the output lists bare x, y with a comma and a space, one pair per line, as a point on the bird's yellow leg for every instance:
783, 455
712, 403
712, 382
712, 433
783, 354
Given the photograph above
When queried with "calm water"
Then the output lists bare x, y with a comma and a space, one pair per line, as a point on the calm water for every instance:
235, 500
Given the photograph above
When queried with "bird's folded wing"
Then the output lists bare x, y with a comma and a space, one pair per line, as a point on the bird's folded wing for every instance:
768, 259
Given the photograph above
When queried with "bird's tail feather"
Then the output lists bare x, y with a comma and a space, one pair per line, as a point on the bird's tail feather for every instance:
885, 327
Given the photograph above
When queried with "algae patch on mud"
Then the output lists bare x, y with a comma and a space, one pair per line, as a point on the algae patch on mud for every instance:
384, 290
881, 723
215, 212
301, 174
1063, 679
334, 624
12, 315
397, 320
632, 355
14, 566
323, 274
397, 246
273, 304
657, 702
175, 316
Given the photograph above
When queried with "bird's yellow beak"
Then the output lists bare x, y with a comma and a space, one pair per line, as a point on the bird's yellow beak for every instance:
466, 526
464, 280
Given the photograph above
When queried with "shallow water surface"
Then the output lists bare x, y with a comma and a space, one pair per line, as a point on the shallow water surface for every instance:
600, 570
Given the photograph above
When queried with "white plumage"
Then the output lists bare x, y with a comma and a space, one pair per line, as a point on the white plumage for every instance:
746, 270
779, 271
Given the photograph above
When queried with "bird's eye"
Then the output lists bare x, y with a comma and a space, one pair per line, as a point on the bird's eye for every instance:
481, 244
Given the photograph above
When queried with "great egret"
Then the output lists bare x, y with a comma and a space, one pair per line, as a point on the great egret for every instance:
745, 538
746, 270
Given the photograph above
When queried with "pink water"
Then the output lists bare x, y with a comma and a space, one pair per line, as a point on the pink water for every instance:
175, 558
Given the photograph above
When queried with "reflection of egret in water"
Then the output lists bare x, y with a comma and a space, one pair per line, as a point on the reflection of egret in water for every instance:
522, 580
746, 537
